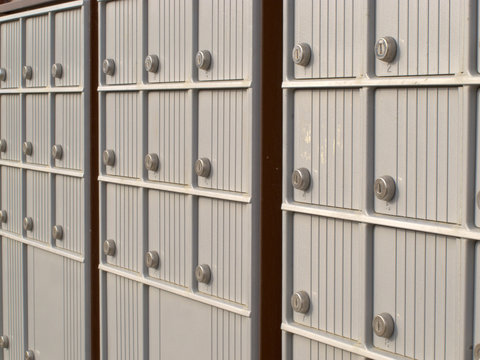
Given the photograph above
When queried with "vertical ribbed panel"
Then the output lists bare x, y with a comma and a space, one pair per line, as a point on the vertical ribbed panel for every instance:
325, 266
230, 336
170, 234
38, 128
169, 135
224, 29
37, 50
69, 47
124, 319
224, 139
38, 205
123, 40
70, 212
170, 38
418, 143
123, 134
327, 124
427, 33
333, 30
69, 130
224, 235
306, 349
74, 310
124, 225
417, 279
12, 298
11, 124
11, 198
10, 49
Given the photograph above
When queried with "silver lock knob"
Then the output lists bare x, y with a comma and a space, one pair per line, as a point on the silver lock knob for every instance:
57, 152
301, 179
3, 145
29, 355
151, 162
151, 63
301, 54
57, 70
108, 67
386, 49
109, 247
27, 148
203, 273
203, 59
109, 157
203, 167
300, 302
3, 216
27, 223
385, 188
383, 325
57, 232
27, 72
476, 352
152, 259
4, 342
3, 74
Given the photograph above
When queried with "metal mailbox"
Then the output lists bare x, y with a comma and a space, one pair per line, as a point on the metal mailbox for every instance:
10, 118
10, 60
36, 69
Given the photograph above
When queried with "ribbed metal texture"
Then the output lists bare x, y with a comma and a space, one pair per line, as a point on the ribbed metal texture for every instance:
10, 53
70, 212
38, 128
332, 30
37, 50
12, 298
124, 225
418, 143
11, 198
326, 142
224, 29
38, 205
224, 138
123, 134
69, 47
303, 348
69, 130
10, 126
170, 135
230, 336
170, 234
223, 245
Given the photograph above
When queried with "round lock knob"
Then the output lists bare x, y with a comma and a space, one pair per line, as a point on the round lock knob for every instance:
386, 49
203, 59
203, 273
109, 247
108, 67
301, 179
385, 188
57, 232
151, 63
151, 162
3, 74
57, 152
202, 167
3, 145
3, 216
3, 342
301, 54
476, 352
152, 259
300, 302
109, 157
383, 325
29, 355
27, 148
57, 70
27, 224
27, 72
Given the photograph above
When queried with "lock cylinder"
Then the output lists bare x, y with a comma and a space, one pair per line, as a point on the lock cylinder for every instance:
27, 72
57, 71
57, 232
151, 63
300, 302
3, 216
3, 74
385, 188
203, 273
151, 162
27, 224
301, 179
3, 145
386, 49
109, 247
108, 67
203, 59
152, 259
57, 152
383, 325
4, 342
301, 54
108, 157
29, 355
202, 167
27, 148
